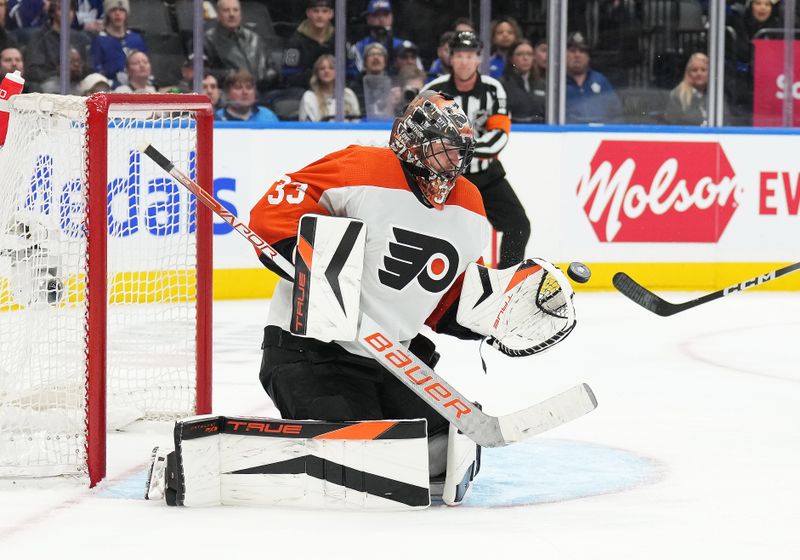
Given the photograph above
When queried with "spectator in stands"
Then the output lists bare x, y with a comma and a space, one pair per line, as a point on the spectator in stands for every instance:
110, 49
441, 65
505, 32
406, 56
137, 77
373, 90
186, 83
89, 15
379, 21
32, 14
94, 83
319, 103
525, 90
43, 54
312, 38
590, 97
540, 58
77, 70
758, 15
211, 89
410, 81
26, 14
240, 100
11, 61
6, 39
230, 46
376, 60
687, 103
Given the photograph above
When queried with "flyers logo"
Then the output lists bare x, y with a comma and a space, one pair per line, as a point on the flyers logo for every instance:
432, 261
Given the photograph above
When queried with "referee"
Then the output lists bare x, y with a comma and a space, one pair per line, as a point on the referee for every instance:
483, 99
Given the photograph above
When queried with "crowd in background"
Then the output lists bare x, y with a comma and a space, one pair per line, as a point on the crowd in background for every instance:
269, 60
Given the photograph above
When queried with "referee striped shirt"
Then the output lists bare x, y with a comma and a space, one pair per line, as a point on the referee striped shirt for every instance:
485, 107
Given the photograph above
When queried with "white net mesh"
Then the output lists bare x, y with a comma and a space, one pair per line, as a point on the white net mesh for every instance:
151, 275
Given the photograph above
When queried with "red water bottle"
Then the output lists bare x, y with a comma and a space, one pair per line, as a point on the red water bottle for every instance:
12, 84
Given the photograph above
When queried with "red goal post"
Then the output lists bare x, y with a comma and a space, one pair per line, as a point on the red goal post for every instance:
105, 275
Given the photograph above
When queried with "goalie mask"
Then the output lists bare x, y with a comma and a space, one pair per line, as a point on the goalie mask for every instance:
434, 136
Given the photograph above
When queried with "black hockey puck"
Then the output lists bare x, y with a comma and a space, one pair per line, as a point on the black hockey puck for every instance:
579, 272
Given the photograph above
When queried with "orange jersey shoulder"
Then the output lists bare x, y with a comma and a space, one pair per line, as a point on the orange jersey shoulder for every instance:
466, 195
354, 166
277, 213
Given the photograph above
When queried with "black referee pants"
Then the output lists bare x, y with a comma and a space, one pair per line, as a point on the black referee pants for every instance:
505, 213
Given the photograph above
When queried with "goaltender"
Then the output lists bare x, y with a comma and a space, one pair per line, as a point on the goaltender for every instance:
392, 236
424, 224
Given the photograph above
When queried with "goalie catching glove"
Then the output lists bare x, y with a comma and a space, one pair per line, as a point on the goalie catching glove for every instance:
523, 310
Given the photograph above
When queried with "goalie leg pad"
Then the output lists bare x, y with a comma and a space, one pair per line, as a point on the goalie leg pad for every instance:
328, 269
379, 464
162, 477
155, 485
463, 462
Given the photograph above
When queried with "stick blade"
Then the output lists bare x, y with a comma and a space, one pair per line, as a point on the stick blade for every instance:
548, 414
631, 289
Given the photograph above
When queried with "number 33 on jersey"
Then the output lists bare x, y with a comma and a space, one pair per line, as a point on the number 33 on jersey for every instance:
286, 190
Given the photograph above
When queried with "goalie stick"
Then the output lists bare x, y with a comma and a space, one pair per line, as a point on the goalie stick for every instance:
637, 293
482, 428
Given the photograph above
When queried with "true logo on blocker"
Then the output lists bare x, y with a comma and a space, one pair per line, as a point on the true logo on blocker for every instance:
432, 261
639, 191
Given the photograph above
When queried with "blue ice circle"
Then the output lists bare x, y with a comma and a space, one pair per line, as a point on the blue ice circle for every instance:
550, 470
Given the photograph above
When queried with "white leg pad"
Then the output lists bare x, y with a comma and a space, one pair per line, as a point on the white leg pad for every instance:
156, 478
380, 464
462, 466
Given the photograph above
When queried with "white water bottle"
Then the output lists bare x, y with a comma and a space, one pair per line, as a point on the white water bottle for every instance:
12, 84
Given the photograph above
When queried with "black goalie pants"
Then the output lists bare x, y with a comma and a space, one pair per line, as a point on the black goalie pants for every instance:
505, 213
312, 380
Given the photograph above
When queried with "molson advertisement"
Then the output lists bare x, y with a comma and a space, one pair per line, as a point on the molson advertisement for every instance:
666, 192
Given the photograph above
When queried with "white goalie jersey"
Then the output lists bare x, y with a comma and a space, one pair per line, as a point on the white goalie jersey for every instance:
413, 254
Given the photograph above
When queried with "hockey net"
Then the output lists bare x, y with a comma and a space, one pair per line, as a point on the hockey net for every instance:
104, 276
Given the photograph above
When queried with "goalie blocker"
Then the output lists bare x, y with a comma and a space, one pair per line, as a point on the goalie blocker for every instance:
328, 269
380, 464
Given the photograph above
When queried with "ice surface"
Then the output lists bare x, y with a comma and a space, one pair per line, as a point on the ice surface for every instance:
693, 452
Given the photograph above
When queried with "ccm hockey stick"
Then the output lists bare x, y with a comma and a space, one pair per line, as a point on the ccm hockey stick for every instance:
650, 301
482, 428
